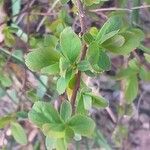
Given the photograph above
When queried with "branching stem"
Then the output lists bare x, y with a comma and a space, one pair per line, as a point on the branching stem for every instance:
83, 53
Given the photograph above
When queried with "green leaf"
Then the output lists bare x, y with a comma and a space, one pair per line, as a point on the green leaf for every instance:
41, 58
144, 74
50, 143
144, 49
87, 102
61, 85
64, 1
82, 125
131, 89
116, 41
91, 2
4, 121
61, 144
18, 133
80, 105
50, 41
65, 110
70, 44
42, 113
98, 101
108, 36
111, 27
125, 73
51, 70
147, 57
104, 61
32, 96
132, 41
54, 130
93, 53
69, 134
5, 80
88, 38
84, 65
64, 64
134, 64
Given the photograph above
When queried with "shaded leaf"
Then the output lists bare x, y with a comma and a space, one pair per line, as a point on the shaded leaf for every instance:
87, 102
131, 89
65, 110
38, 59
50, 143
98, 101
104, 61
61, 85
70, 44
51, 70
82, 125
18, 133
54, 130
42, 113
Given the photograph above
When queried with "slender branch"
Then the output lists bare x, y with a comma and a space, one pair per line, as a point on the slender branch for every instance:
82, 18
120, 9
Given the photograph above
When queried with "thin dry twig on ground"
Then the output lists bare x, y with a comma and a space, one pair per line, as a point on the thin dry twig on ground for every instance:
120, 9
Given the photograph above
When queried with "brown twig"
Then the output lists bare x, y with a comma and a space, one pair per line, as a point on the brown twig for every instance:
82, 18
120, 9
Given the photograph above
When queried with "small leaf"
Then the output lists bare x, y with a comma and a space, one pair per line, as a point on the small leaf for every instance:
70, 44
80, 109
5, 80
61, 85
50, 41
50, 143
104, 61
65, 110
82, 125
98, 101
61, 144
113, 24
144, 74
88, 38
4, 121
93, 53
147, 57
131, 89
132, 40
42, 113
69, 134
116, 41
125, 73
51, 70
91, 2
18, 133
84, 65
64, 64
87, 102
109, 35
54, 130
64, 1
41, 58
